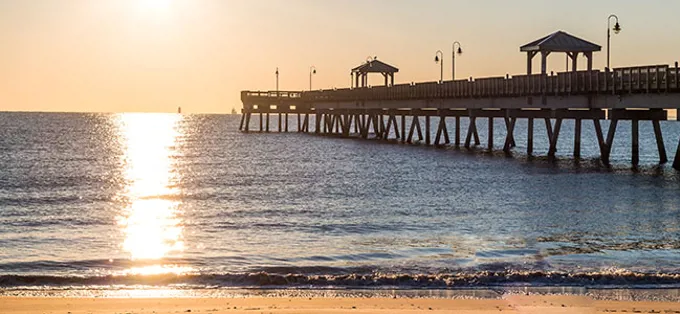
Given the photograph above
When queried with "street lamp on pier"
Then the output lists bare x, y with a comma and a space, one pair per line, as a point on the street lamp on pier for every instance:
453, 59
277, 82
616, 29
439, 58
312, 71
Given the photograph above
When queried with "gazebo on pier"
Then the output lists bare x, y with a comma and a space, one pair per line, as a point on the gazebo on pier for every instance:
559, 42
360, 73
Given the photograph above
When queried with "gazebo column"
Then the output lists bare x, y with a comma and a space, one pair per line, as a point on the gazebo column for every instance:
544, 61
386, 81
392, 79
574, 61
589, 56
530, 57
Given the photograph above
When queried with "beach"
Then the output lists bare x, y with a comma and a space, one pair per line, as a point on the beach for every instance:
508, 304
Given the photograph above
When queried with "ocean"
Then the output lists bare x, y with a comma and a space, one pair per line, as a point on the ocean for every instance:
98, 201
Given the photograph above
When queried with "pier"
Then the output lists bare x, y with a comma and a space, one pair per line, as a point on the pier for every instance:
627, 94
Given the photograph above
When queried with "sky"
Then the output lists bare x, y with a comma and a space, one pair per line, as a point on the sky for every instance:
157, 55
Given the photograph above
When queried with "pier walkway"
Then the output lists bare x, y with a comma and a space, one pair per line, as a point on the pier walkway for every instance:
640, 93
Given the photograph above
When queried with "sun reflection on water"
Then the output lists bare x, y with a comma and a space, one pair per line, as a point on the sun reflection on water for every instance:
151, 221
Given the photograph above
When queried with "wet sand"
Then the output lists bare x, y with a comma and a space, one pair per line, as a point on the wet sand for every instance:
508, 304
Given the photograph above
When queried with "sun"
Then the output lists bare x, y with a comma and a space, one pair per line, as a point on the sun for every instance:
157, 6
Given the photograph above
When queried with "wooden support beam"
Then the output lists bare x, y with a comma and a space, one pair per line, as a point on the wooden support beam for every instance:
280, 123
356, 123
403, 128
610, 140
509, 138
328, 125
330, 119
438, 133
267, 123
457, 131
299, 127
555, 136
442, 130
445, 130
305, 123
475, 133
382, 124
548, 127
635, 142
507, 126
490, 134
427, 130
243, 118
261, 121
365, 126
530, 137
472, 127
337, 123
376, 126
317, 122
676, 161
418, 129
600, 140
386, 131
247, 126
409, 138
663, 158
395, 125
652, 114
577, 138
286, 130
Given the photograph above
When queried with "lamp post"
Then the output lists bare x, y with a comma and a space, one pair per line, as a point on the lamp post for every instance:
312, 71
277, 82
440, 60
617, 29
453, 59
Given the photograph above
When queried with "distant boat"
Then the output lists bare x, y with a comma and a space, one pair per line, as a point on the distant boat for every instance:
233, 111
179, 109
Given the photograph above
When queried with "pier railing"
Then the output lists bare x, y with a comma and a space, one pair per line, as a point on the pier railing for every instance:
619, 81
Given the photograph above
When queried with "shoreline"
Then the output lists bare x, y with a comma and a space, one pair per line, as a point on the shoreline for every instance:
328, 305
652, 294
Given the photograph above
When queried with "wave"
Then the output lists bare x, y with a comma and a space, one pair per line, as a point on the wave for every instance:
609, 278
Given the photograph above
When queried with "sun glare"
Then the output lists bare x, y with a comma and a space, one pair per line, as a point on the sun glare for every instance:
151, 221
154, 8
154, 5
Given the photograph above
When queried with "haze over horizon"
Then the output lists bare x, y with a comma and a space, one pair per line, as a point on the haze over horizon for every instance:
157, 55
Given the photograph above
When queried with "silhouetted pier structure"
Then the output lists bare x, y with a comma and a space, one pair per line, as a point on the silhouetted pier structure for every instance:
640, 93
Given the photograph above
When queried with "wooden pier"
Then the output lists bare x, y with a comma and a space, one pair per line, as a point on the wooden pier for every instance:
641, 93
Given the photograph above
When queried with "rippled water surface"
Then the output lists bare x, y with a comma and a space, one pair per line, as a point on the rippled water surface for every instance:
164, 199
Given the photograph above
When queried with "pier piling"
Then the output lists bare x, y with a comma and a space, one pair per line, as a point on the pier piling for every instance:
676, 162
427, 130
663, 158
577, 138
530, 137
490, 134
457, 132
635, 143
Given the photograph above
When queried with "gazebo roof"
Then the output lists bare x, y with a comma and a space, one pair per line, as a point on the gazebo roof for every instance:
375, 66
560, 42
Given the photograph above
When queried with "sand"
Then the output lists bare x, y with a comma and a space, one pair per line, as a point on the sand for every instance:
251, 305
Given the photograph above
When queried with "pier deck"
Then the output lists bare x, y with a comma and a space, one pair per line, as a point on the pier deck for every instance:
631, 93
